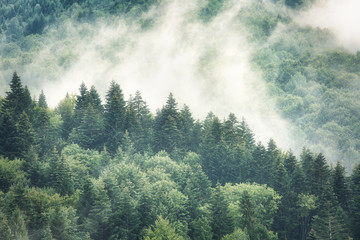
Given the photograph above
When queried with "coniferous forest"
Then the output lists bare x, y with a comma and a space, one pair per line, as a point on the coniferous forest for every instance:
99, 165
114, 170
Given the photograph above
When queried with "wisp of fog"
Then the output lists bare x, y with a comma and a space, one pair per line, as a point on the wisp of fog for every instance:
205, 65
340, 17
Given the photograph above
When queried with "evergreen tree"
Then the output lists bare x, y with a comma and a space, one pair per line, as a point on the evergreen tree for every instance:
247, 135
90, 132
307, 164
124, 222
14, 99
167, 130
8, 140
355, 203
162, 230
222, 223
99, 213
248, 220
212, 152
139, 123
5, 231
285, 221
191, 143
290, 163
262, 166
42, 100
114, 117
66, 110
330, 222
340, 187
321, 174
59, 177
25, 135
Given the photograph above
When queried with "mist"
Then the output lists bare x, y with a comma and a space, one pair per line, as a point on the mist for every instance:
205, 65
340, 17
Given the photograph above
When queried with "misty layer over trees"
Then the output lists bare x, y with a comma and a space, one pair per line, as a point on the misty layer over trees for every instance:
99, 165
88, 170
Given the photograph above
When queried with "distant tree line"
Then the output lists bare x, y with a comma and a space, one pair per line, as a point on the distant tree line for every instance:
87, 170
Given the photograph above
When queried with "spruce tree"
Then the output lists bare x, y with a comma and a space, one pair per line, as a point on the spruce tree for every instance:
114, 117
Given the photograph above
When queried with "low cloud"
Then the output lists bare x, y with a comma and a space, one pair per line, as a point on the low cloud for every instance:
340, 17
205, 65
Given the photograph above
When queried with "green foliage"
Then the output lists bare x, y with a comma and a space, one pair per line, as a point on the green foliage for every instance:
114, 117
10, 173
162, 230
81, 193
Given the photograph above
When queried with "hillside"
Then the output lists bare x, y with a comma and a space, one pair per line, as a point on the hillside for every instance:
208, 119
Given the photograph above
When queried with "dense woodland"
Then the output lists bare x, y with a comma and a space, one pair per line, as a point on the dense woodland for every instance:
88, 170
112, 169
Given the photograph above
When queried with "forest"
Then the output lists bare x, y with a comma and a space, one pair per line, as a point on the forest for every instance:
98, 165
88, 170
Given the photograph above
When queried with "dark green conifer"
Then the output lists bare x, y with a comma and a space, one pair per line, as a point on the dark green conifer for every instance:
222, 223
114, 117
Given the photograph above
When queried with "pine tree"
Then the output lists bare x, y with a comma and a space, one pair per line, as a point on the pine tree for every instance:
114, 117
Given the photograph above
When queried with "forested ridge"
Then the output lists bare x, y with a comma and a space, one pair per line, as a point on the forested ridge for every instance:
88, 170
110, 168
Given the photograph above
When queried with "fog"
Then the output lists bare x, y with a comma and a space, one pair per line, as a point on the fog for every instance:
340, 17
205, 65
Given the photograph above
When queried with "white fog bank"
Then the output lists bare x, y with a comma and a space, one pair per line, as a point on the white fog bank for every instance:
340, 17
205, 65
